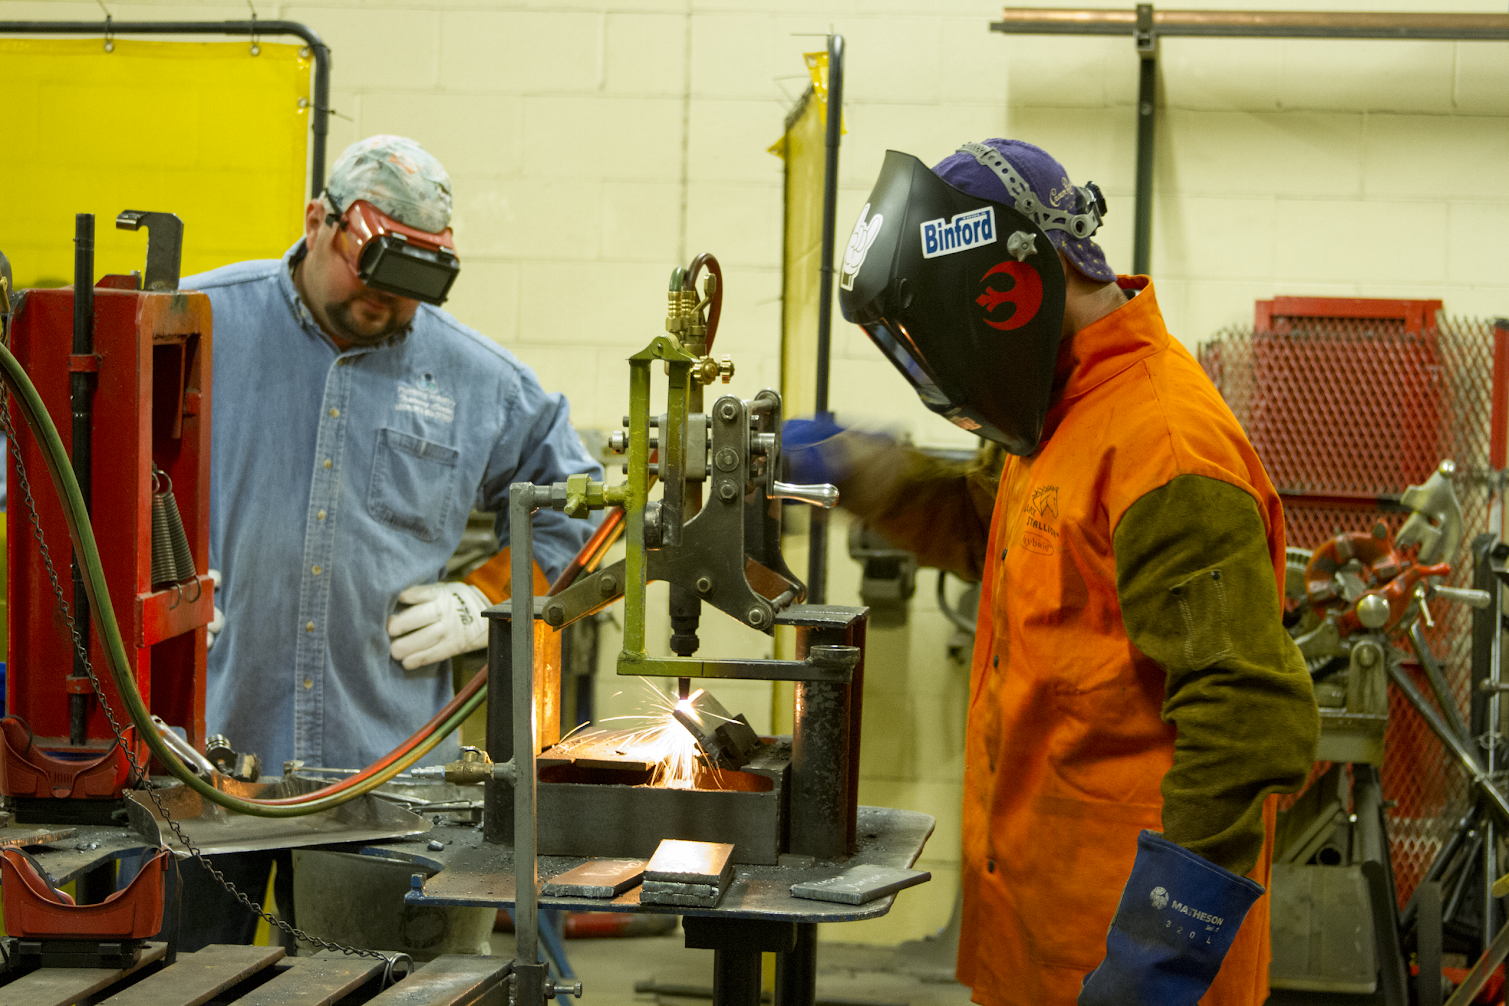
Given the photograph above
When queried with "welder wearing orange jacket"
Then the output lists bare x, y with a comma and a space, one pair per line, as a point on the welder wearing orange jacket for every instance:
1135, 700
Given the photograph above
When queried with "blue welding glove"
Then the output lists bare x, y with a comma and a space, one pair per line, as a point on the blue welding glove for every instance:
1178, 916
813, 451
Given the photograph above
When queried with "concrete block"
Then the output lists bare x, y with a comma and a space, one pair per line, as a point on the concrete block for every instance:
520, 52
472, 134
741, 224
735, 55
1481, 81
729, 140
601, 137
528, 218
344, 126
1403, 155
971, 67
397, 51
1220, 74
642, 222
1477, 247
1360, 242
604, 304
1065, 72
1211, 307
1376, 75
1095, 144
486, 296
563, 368
1208, 237
1260, 153
876, 74
645, 54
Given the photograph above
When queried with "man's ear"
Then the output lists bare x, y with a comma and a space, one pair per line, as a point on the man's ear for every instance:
314, 218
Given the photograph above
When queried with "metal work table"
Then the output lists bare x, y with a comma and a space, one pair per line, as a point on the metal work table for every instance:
476, 874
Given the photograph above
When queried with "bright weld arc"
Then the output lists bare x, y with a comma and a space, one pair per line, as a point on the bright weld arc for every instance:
664, 742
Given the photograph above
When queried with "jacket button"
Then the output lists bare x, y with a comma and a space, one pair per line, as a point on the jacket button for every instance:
335, 413
995, 661
327, 462
1003, 553
309, 683
990, 866
316, 570
308, 626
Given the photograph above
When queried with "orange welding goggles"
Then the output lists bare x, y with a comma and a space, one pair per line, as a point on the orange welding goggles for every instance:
386, 255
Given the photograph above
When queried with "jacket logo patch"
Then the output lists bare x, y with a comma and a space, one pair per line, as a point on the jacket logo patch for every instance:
1025, 295
1041, 509
1044, 502
1032, 541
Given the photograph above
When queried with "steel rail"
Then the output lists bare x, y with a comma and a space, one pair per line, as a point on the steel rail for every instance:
1259, 24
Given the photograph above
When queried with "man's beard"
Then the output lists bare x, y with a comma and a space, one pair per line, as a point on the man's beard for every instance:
339, 315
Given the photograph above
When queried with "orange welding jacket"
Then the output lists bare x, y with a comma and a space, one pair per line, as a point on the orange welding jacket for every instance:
1066, 746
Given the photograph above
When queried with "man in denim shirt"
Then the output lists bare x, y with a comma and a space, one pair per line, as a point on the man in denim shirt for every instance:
354, 429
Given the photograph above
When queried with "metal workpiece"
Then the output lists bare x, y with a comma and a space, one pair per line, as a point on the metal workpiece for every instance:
678, 861
597, 878
821, 495
727, 739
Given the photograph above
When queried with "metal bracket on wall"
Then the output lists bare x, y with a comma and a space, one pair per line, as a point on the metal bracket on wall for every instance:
1147, 26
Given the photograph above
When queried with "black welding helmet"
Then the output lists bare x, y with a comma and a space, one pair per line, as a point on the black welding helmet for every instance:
964, 295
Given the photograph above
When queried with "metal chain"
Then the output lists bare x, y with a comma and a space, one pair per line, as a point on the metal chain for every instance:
143, 782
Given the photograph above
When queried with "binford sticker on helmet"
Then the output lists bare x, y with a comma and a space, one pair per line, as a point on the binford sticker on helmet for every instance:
966, 230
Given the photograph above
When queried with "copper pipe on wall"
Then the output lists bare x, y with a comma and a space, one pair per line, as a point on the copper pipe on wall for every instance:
1258, 24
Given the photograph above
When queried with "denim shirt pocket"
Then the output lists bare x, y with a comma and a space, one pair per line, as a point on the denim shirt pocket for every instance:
412, 482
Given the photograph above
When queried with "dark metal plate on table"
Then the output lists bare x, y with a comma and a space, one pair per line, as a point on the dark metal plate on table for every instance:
597, 878
860, 884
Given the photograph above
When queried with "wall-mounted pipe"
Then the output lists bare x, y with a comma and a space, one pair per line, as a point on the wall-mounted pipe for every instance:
1258, 24
1147, 25
319, 118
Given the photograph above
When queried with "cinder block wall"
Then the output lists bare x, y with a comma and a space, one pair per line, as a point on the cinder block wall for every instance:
595, 144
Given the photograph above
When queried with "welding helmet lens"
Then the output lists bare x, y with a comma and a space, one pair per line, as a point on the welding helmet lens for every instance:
389, 256
963, 295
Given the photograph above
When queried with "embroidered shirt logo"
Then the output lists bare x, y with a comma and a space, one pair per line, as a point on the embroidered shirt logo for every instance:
1159, 898
423, 398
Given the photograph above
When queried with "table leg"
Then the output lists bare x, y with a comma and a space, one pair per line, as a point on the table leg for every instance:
736, 978
796, 969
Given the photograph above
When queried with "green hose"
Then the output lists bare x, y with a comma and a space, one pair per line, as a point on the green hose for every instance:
82, 534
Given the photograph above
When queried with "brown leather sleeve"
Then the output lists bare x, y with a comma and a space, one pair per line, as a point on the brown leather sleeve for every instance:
937, 509
1198, 595
495, 578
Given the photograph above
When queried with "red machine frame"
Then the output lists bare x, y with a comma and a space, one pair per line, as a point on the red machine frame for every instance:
151, 406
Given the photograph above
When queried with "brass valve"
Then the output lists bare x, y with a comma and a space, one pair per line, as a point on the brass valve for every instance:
707, 370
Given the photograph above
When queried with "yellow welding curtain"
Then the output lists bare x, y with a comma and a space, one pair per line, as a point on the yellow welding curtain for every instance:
204, 130
802, 148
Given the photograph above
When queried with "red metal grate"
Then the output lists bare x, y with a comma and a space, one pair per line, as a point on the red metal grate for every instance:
1348, 403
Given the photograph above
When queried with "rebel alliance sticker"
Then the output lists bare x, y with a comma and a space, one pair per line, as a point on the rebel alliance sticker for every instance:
865, 233
974, 229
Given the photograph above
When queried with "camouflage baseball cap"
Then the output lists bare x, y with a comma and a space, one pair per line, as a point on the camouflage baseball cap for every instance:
396, 175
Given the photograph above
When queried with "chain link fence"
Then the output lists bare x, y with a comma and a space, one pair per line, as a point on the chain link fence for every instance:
1345, 414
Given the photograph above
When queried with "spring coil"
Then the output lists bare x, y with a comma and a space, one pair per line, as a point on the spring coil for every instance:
172, 562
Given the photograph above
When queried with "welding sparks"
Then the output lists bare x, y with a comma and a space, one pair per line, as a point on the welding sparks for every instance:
660, 740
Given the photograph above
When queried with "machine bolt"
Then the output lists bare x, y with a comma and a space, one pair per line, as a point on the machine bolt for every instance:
554, 616
435, 845
727, 491
1373, 610
728, 412
704, 585
553, 989
726, 459
607, 585
756, 617
1367, 656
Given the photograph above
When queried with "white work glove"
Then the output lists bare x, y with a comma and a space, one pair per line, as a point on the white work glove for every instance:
218, 622
443, 619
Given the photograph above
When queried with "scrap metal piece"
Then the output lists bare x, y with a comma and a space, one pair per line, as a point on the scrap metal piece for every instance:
693, 890
726, 739
685, 862
19, 837
596, 878
859, 884
681, 900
